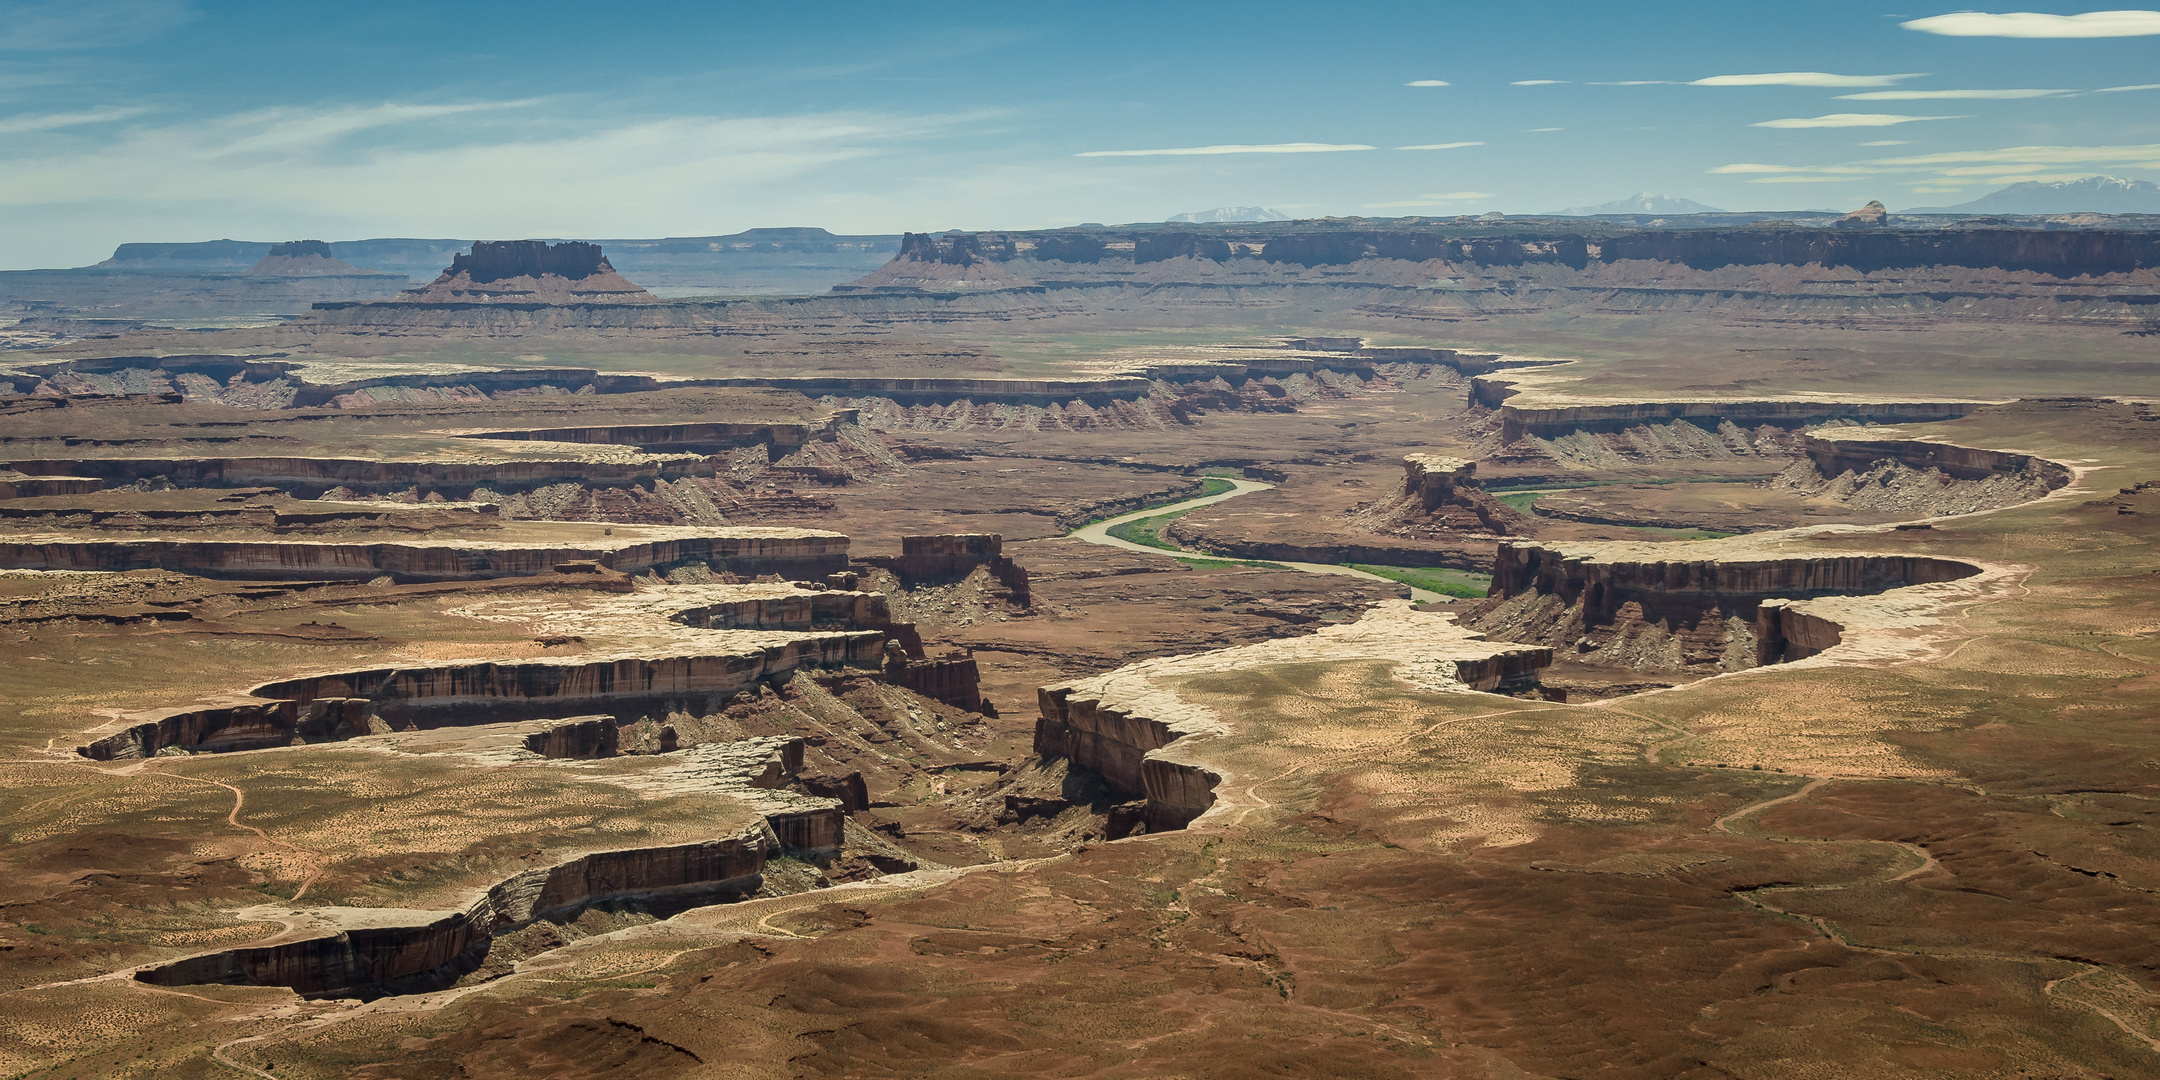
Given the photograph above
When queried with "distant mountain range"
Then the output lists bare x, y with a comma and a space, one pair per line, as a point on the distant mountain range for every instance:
1642, 202
1229, 213
2092, 195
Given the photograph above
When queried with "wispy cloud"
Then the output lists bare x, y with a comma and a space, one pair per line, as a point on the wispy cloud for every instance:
1802, 78
2007, 163
1535, 130
2120, 89
107, 114
1429, 82
1234, 148
1638, 82
58, 25
1848, 120
1537, 82
1888, 142
476, 166
2027, 24
1431, 200
1440, 146
1931, 95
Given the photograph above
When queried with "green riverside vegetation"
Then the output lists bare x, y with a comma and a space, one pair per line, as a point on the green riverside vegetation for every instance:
1437, 579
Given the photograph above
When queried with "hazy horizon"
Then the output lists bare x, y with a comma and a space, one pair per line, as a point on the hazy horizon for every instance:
160, 120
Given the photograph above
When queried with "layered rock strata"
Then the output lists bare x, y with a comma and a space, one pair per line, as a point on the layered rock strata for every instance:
505, 690
1627, 605
1131, 727
309, 478
374, 961
1836, 452
796, 554
1520, 421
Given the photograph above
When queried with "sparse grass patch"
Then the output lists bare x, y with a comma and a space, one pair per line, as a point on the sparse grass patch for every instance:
1437, 579
1214, 564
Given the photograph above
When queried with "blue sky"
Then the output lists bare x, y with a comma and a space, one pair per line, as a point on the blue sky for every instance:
178, 120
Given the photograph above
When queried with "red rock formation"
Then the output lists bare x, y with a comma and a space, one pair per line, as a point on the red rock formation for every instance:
952, 678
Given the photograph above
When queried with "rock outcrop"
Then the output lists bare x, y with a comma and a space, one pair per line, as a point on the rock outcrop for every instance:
948, 557
1626, 605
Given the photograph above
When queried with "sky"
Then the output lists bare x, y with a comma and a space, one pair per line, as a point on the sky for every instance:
180, 120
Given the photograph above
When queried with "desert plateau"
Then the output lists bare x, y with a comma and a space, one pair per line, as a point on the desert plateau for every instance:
1385, 639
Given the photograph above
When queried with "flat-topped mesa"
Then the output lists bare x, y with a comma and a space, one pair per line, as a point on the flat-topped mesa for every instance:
303, 258
529, 272
1698, 616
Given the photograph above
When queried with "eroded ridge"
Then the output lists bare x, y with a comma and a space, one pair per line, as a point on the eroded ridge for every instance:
1131, 727
693, 644
790, 553
1627, 606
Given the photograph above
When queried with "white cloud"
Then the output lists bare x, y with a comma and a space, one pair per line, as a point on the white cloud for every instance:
2054, 155
1431, 200
1888, 142
1544, 129
1429, 82
2027, 24
1929, 95
1801, 78
1848, 120
1638, 82
2120, 89
1234, 148
17, 125
1440, 146
1537, 82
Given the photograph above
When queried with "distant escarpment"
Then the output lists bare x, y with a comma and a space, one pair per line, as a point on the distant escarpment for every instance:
303, 258
1425, 270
